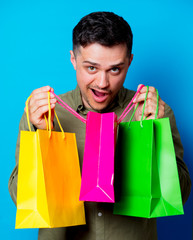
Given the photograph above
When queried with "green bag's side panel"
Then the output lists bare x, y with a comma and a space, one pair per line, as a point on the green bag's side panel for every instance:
146, 174
155, 182
134, 161
171, 201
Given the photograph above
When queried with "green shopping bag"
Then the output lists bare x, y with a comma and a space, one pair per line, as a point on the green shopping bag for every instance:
147, 180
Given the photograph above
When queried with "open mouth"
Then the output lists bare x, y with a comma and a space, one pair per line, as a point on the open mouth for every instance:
99, 96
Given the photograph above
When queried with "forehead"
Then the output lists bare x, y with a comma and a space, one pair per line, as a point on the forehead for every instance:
103, 54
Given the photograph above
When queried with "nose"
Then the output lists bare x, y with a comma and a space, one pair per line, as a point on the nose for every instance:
103, 80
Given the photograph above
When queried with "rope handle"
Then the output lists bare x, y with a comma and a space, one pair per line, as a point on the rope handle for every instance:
67, 107
48, 121
123, 115
27, 112
128, 108
144, 106
157, 108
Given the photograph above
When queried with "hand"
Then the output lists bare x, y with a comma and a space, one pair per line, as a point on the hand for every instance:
151, 104
38, 106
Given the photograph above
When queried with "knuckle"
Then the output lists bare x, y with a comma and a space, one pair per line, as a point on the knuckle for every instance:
34, 97
148, 101
150, 95
139, 86
38, 103
153, 90
52, 105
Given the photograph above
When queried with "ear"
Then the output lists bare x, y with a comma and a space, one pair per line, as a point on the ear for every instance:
130, 59
73, 59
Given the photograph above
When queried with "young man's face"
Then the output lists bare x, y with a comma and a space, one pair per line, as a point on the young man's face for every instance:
100, 73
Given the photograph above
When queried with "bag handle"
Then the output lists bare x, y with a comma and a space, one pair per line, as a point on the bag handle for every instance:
123, 115
157, 108
127, 109
48, 122
67, 107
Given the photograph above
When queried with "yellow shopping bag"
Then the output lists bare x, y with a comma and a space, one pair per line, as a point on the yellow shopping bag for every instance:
48, 180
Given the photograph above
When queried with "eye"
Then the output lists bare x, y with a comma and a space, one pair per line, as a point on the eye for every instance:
91, 68
115, 70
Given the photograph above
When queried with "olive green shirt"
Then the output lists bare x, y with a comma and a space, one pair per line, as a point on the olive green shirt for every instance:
101, 224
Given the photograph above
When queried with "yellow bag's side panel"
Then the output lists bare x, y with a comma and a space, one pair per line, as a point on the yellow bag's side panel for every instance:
62, 178
30, 182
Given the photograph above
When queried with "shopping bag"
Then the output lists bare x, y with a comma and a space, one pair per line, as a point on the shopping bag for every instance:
147, 177
48, 180
97, 183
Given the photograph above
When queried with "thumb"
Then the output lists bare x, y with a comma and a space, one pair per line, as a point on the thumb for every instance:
139, 86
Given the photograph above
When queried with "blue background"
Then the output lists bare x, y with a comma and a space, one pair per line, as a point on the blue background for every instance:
35, 40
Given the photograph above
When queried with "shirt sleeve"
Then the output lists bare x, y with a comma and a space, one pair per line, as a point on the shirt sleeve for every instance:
184, 177
12, 184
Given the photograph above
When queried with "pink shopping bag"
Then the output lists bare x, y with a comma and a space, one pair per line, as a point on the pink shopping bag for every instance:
97, 183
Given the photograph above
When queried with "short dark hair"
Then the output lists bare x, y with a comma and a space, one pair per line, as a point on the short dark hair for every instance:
105, 28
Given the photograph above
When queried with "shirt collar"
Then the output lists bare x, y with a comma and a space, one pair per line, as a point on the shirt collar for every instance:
118, 101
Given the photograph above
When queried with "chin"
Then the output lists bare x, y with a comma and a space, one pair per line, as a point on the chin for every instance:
99, 107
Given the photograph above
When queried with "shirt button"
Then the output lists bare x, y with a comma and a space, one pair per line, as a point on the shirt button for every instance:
100, 214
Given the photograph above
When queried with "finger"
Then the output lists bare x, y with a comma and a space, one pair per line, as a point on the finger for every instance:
139, 86
141, 97
37, 117
52, 113
161, 111
41, 95
144, 89
150, 108
34, 106
150, 95
42, 89
149, 117
36, 98
134, 101
138, 112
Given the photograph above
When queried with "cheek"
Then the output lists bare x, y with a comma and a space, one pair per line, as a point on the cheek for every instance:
116, 84
83, 78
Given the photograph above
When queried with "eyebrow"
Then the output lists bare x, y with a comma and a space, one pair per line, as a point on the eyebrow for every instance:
97, 64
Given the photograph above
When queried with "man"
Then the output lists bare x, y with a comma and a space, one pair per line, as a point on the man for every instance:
101, 56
